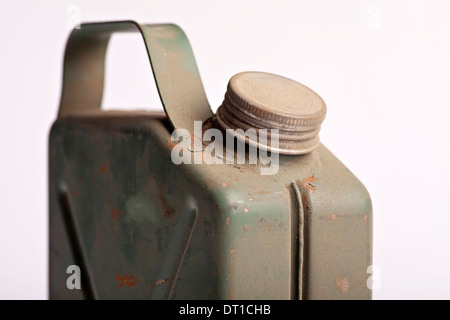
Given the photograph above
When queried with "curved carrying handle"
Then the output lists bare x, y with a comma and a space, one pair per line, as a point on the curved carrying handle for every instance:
174, 69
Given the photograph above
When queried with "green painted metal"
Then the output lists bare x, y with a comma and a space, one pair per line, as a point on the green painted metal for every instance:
171, 58
141, 227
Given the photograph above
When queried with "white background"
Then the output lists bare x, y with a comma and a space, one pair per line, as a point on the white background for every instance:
382, 67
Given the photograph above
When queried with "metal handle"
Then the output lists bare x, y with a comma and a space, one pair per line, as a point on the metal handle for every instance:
174, 69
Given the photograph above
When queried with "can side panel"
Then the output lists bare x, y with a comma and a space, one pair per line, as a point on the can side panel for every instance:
143, 230
253, 241
338, 229
60, 252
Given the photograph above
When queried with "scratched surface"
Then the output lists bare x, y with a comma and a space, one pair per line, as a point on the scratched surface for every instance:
149, 229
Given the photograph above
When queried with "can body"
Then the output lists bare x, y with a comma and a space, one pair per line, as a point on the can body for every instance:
141, 227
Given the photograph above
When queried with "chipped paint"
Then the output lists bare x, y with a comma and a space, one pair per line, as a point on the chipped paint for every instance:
167, 210
126, 280
160, 282
342, 283
114, 214
307, 183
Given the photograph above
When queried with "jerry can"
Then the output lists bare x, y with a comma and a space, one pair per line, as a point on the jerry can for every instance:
186, 204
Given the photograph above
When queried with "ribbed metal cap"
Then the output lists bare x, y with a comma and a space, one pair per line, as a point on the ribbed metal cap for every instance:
259, 100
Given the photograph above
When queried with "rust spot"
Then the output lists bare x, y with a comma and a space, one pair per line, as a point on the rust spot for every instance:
304, 198
245, 229
167, 210
232, 274
307, 183
114, 214
228, 221
160, 282
171, 143
342, 284
76, 193
103, 169
126, 280
331, 217
366, 218
263, 192
245, 210
95, 174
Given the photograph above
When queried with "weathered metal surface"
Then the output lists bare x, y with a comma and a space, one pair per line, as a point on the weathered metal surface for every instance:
141, 227
206, 231
171, 58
